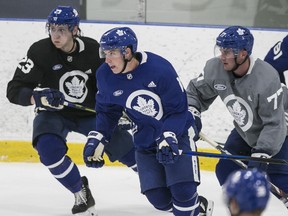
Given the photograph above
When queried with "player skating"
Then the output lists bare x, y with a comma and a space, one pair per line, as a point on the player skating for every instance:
147, 88
252, 92
62, 67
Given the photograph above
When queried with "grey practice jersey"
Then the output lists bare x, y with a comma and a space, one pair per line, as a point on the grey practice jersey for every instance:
255, 101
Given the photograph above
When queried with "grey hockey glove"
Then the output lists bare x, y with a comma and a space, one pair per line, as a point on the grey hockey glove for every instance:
94, 150
261, 166
48, 99
197, 120
167, 149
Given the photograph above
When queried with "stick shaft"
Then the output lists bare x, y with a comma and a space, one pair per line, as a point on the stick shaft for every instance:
78, 106
235, 157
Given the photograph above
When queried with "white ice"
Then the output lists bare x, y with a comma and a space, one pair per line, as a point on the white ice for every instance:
28, 189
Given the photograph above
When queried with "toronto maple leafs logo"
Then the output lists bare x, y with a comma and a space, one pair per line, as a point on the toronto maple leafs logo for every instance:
240, 31
145, 102
145, 107
73, 86
58, 11
240, 110
238, 113
120, 32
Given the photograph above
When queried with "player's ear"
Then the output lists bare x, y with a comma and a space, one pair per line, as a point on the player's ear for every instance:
75, 31
128, 53
243, 53
233, 207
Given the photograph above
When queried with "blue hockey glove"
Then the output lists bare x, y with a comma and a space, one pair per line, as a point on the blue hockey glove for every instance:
167, 150
48, 99
94, 150
198, 123
261, 166
125, 123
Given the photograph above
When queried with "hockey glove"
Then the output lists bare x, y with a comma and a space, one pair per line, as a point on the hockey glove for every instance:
261, 166
94, 150
125, 123
198, 123
167, 149
48, 99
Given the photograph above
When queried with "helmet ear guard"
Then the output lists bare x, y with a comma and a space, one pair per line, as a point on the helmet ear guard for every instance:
63, 15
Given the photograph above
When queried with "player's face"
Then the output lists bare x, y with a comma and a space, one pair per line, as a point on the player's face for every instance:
227, 57
114, 58
61, 37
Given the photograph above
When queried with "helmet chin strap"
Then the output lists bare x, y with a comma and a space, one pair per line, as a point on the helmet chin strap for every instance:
237, 65
125, 63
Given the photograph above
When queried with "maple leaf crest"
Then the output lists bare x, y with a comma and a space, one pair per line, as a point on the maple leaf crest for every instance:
240, 31
75, 87
237, 113
120, 32
145, 107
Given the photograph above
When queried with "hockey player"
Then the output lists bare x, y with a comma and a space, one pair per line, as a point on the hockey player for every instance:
277, 56
246, 192
147, 88
56, 69
252, 92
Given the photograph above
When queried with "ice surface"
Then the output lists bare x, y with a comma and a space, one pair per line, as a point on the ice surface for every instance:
28, 189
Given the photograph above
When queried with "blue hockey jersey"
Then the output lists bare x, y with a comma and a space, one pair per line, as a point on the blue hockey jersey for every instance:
151, 95
278, 58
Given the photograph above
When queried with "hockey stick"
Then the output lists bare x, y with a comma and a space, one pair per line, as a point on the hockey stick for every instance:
235, 157
280, 194
78, 106
67, 104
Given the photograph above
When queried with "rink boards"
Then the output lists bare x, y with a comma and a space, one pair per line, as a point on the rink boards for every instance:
22, 151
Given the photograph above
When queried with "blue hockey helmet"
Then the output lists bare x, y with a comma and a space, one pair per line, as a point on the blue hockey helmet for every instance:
249, 188
64, 15
118, 38
236, 38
